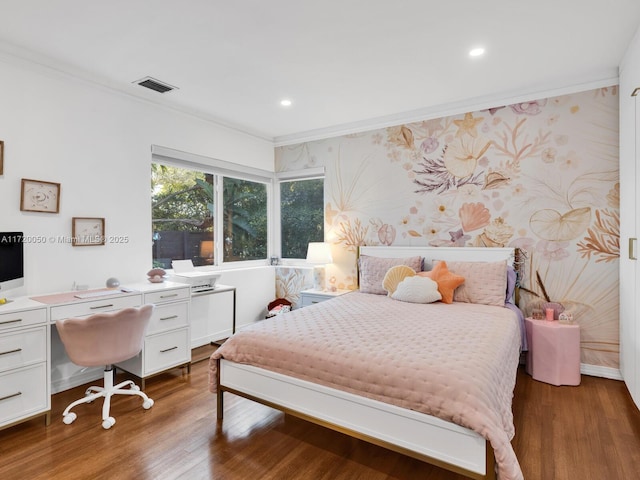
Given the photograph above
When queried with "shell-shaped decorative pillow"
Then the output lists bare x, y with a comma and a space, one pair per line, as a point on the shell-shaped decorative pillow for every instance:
394, 276
417, 290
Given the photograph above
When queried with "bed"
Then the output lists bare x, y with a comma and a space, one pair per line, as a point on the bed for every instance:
433, 381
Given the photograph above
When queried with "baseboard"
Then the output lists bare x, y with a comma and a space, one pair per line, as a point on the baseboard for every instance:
207, 339
90, 375
599, 371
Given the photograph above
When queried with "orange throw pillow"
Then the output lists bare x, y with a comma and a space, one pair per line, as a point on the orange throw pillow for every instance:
447, 281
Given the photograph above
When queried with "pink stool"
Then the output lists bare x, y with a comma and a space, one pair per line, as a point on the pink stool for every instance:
554, 352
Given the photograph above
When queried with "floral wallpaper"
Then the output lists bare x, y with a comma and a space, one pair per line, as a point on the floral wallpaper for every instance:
290, 281
541, 175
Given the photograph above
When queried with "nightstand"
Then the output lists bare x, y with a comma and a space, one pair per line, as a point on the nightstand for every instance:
554, 352
309, 297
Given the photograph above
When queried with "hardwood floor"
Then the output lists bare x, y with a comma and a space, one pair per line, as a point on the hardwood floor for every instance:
564, 433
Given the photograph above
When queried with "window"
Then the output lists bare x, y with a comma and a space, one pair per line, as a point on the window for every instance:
214, 212
182, 215
245, 220
209, 214
301, 215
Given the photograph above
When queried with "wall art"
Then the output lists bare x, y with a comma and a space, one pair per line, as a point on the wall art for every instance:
39, 196
87, 231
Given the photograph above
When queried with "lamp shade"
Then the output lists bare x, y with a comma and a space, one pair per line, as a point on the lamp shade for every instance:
319, 253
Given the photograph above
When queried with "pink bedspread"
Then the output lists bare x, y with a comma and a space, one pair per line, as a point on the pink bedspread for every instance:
454, 361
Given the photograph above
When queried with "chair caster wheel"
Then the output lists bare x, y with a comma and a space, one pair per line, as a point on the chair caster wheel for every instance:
147, 404
69, 418
108, 423
135, 387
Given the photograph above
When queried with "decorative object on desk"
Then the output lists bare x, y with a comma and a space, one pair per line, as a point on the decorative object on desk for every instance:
549, 314
86, 232
319, 254
537, 313
156, 275
39, 196
566, 318
556, 308
1, 157
112, 282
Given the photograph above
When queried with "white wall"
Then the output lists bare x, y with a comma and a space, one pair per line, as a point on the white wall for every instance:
97, 144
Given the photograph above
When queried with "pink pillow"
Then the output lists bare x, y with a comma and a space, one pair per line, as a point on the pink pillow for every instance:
484, 282
373, 269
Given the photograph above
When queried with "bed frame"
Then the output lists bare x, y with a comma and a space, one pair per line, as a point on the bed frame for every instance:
411, 433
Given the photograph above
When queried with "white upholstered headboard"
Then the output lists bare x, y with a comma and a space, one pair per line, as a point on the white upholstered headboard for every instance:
450, 254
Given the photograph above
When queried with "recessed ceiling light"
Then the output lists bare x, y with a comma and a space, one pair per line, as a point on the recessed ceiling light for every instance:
476, 52
285, 102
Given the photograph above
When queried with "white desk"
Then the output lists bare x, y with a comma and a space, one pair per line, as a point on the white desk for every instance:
33, 362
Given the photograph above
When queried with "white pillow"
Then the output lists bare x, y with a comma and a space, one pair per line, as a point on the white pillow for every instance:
417, 290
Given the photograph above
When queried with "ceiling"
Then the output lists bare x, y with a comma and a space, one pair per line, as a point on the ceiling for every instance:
343, 63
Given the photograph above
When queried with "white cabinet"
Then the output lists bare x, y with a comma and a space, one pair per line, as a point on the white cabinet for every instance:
24, 363
629, 211
213, 315
309, 297
167, 341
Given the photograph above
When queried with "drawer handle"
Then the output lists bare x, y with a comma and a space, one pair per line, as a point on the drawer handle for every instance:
11, 351
168, 349
169, 318
10, 396
11, 321
169, 296
102, 306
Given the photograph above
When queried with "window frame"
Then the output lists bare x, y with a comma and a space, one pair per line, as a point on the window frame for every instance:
220, 169
289, 176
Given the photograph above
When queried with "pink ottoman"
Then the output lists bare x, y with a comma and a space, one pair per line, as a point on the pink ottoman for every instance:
554, 352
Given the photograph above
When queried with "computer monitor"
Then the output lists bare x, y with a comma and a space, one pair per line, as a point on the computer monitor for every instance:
11, 261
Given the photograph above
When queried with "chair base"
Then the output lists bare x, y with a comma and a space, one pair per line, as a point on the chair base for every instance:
107, 392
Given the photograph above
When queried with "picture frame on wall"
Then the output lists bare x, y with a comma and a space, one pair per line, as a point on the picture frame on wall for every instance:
1, 157
39, 196
87, 231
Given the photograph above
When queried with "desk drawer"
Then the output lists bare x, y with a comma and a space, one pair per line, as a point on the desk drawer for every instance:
166, 350
167, 295
108, 304
23, 392
24, 347
22, 318
169, 317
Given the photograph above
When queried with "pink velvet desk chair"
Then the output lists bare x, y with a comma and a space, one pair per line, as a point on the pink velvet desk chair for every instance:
104, 339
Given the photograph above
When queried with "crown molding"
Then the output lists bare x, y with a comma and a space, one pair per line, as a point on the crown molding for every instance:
15, 55
20, 57
604, 79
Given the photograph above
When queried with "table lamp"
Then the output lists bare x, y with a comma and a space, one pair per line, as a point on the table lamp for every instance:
319, 254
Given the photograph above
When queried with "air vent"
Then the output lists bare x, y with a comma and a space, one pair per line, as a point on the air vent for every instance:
156, 85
